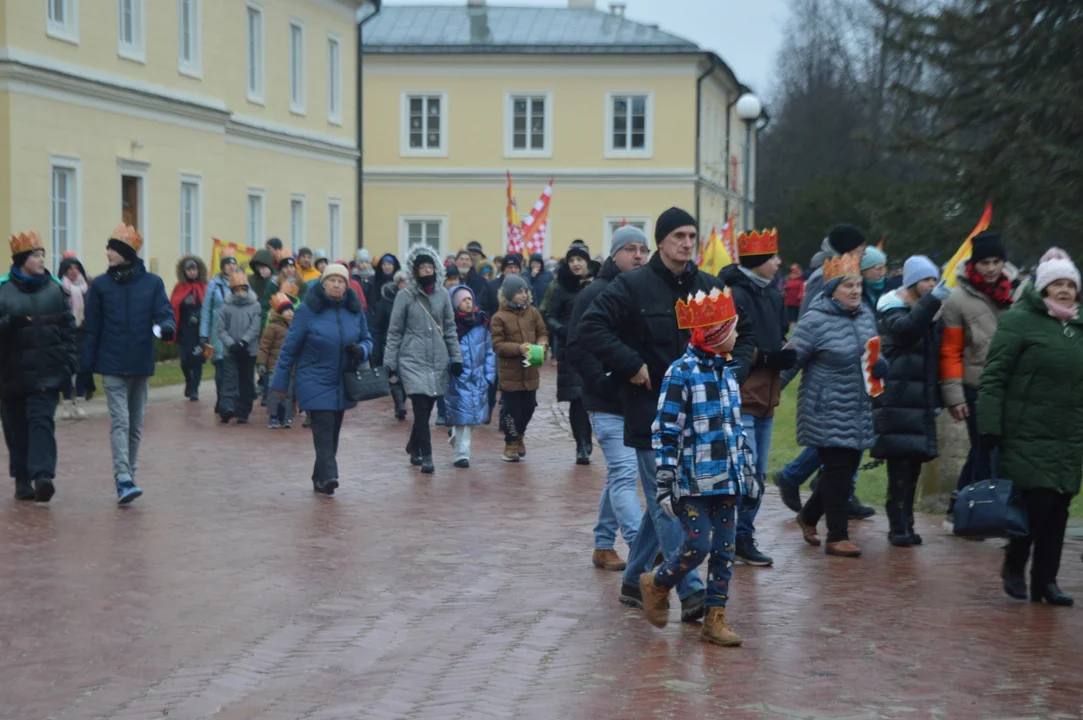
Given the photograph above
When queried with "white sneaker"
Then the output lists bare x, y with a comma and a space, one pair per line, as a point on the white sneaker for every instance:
66, 411
79, 411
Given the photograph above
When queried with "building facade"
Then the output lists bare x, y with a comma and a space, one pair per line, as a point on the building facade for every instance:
456, 96
189, 119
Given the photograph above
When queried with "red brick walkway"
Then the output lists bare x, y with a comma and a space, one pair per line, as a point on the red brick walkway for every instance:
230, 591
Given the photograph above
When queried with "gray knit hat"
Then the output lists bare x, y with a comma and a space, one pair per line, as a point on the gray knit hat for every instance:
513, 284
626, 236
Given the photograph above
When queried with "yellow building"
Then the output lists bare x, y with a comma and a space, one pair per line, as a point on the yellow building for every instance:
189, 119
456, 95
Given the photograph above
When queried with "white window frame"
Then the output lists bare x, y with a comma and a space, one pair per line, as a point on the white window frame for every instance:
193, 66
334, 82
256, 239
136, 50
334, 235
404, 121
404, 235
298, 233
259, 68
647, 151
510, 151
75, 205
298, 63
610, 220
68, 30
196, 246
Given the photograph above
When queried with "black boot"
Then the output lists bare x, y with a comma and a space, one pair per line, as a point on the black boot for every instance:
856, 511
24, 489
582, 455
1014, 584
788, 491
1050, 593
415, 455
898, 533
427, 468
44, 488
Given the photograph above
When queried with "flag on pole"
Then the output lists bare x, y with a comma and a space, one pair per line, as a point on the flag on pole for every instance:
716, 256
511, 217
729, 242
536, 222
242, 253
951, 270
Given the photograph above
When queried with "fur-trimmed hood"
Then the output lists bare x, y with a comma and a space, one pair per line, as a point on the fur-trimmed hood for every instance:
317, 301
199, 263
418, 251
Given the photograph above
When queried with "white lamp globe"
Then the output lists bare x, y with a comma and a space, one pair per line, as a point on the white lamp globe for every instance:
749, 107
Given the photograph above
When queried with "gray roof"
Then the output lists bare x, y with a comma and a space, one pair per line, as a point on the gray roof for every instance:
489, 29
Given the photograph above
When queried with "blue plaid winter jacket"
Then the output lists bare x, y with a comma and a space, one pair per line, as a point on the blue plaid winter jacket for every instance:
698, 432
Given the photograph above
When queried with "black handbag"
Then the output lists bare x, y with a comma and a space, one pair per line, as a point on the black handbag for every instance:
365, 383
990, 508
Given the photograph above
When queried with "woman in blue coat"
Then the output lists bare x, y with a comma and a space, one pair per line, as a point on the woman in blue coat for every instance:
328, 336
467, 395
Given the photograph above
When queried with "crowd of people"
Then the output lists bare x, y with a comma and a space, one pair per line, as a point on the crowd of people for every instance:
675, 372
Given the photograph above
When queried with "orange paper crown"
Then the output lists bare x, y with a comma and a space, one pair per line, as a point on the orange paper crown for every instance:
25, 242
227, 252
842, 267
238, 279
705, 310
69, 255
279, 300
758, 243
288, 288
128, 235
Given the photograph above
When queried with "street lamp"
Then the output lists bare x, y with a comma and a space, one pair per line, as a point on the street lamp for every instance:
749, 109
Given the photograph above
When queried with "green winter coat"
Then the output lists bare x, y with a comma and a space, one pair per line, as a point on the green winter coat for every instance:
1031, 396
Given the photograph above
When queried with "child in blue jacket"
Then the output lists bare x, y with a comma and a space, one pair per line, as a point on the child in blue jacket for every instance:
467, 396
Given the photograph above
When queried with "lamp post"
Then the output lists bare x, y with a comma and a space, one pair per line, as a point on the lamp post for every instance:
749, 110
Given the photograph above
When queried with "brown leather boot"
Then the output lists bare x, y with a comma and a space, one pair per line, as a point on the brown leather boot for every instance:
522, 448
808, 532
608, 560
511, 452
655, 600
842, 548
716, 630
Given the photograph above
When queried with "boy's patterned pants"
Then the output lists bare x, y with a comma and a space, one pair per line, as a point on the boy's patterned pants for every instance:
709, 524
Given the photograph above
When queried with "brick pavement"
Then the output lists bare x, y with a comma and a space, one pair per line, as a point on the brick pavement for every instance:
231, 591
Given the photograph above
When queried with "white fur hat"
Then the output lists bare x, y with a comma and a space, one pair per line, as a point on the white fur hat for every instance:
1055, 265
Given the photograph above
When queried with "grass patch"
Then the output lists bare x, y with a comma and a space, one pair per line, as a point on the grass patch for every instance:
167, 372
871, 484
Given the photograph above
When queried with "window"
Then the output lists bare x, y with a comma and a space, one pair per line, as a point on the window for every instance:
334, 228
62, 20
189, 45
528, 125
423, 230
297, 67
65, 211
334, 80
425, 124
191, 215
131, 30
254, 51
297, 222
629, 125
255, 217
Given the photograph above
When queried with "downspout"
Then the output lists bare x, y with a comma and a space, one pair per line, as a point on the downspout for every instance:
729, 150
376, 5
699, 125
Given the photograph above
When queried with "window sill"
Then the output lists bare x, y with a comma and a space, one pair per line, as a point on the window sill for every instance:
528, 154
132, 54
299, 111
191, 71
335, 120
423, 153
611, 154
63, 34
257, 100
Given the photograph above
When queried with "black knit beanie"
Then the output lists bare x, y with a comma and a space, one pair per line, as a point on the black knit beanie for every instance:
513, 259
19, 259
226, 261
987, 245
845, 238
669, 221
578, 249
423, 259
125, 250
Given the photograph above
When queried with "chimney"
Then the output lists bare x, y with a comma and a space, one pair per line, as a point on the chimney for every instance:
617, 9
580, 4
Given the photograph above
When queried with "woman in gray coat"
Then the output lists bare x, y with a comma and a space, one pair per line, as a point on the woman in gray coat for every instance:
422, 346
834, 410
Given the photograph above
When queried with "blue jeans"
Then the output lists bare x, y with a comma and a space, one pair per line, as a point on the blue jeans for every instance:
805, 466
758, 436
708, 527
656, 527
619, 505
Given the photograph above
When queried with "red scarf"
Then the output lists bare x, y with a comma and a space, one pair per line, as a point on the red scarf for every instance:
999, 292
183, 290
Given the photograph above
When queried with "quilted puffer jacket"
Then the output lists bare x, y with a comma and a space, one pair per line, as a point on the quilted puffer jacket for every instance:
833, 407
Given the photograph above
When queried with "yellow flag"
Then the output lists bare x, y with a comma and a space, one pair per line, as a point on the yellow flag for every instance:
715, 256
242, 253
951, 270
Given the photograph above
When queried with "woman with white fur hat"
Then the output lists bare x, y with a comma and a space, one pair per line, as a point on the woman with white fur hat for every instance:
1030, 409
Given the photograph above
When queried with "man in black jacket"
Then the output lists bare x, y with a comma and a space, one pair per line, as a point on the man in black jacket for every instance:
631, 328
619, 505
37, 354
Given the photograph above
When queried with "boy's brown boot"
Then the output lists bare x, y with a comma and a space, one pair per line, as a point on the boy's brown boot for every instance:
511, 452
608, 560
716, 630
655, 600
522, 447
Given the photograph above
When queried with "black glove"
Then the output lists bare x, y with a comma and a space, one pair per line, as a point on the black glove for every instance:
456, 369
236, 348
783, 359
167, 333
357, 353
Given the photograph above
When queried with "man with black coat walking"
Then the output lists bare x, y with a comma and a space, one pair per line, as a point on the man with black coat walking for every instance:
904, 416
618, 508
631, 328
37, 361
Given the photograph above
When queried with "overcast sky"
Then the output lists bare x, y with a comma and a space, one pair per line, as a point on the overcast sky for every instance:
744, 33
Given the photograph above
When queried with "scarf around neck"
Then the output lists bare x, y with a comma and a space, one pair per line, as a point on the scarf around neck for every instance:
758, 280
999, 292
122, 273
465, 322
1064, 314
76, 290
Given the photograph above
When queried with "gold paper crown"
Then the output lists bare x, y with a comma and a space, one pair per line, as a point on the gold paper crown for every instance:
129, 236
705, 310
238, 279
69, 255
841, 267
758, 243
288, 288
279, 300
25, 242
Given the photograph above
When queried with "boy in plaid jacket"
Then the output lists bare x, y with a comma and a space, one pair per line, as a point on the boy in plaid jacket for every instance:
704, 463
